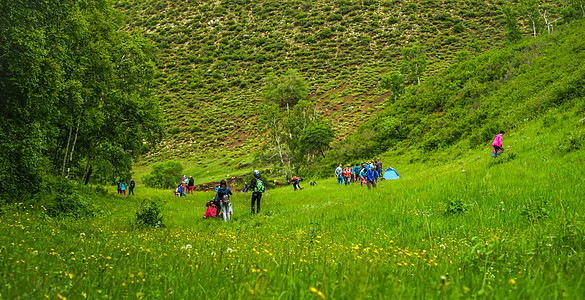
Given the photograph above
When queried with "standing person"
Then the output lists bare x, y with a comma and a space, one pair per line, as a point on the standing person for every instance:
363, 175
123, 188
347, 174
190, 185
339, 174
371, 177
222, 191
497, 144
257, 187
119, 190
131, 187
184, 183
356, 172
380, 168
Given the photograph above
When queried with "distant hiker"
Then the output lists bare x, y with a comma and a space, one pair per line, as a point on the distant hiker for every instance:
184, 183
312, 183
497, 144
210, 212
246, 187
181, 190
131, 187
222, 191
257, 187
339, 174
363, 175
356, 172
295, 183
371, 177
118, 183
190, 185
379, 168
347, 174
123, 188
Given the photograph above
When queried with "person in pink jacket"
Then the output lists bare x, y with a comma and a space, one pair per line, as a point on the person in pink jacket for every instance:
210, 213
497, 144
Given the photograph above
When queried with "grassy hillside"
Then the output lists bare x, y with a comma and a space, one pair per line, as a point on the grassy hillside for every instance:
214, 55
454, 227
470, 101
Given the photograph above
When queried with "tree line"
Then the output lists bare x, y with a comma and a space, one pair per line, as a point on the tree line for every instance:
76, 99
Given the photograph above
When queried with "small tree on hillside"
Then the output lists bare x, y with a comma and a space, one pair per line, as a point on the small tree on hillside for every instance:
394, 82
512, 32
316, 139
414, 63
286, 90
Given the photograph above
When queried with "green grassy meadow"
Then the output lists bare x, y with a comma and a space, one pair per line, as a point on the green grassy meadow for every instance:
459, 225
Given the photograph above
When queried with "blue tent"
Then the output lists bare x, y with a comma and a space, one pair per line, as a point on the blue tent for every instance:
390, 173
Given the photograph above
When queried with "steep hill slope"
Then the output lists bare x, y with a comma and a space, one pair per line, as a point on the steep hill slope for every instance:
214, 55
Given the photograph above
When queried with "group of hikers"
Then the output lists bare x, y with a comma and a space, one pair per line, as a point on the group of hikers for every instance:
367, 173
220, 205
186, 186
122, 187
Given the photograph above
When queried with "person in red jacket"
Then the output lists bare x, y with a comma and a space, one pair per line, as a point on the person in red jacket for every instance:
347, 174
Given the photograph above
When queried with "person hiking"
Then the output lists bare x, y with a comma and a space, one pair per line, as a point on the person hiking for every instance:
257, 187
347, 174
339, 174
356, 172
380, 168
363, 175
371, 177
123, 188
497, 144
190, 185
181, 190
295, 182
131, 187
223, 190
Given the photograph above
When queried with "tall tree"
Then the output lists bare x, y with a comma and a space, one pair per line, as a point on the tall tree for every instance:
512, 30
286, 90
393, 81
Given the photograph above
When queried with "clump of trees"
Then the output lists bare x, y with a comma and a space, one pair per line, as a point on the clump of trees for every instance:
297, 133
75, 94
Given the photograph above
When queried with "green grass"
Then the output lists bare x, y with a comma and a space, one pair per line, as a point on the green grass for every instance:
520, 237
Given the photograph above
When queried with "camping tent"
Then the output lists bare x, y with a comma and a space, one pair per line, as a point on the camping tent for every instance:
390, 173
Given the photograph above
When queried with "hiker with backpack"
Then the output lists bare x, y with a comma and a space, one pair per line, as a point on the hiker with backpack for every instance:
339, 174
221, 192
295, 182
123, 188
356, 172
497, 145
257, 187
363, 175
371, 177
379, 168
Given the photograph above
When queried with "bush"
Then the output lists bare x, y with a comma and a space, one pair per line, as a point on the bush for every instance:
455, 205
163, 175
150, 213
65, 200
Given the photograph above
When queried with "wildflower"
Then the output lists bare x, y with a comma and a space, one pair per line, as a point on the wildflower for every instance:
139, 295
82, 235
229, 250
512, 281
83, 294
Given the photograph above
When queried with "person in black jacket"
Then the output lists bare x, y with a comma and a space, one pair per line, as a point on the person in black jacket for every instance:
257, 187
131, 187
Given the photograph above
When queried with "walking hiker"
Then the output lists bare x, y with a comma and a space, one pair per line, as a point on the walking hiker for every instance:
257, 187
222, 191
379, 168
339, 174
347, 174
497, 144
371, 177
131, 187
295, 182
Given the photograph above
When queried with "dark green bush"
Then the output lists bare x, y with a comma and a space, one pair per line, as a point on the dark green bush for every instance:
149, 213
67, 200
455, 205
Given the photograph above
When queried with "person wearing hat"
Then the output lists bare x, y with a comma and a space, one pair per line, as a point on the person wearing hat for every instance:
257, 187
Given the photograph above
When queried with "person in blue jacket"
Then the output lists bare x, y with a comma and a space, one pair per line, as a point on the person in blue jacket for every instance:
371, 177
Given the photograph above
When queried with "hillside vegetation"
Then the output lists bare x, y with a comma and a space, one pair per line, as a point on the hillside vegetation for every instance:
470, 101
214, 56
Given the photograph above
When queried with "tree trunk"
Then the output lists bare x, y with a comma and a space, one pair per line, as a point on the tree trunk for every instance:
88, 174
72, 150
66, 152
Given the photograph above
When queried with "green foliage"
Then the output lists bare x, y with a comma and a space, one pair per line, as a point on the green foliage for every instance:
66, 199
414, 63
534, 210
149, 213
164, 175
316, 139
395, 83
455, 205
287, 89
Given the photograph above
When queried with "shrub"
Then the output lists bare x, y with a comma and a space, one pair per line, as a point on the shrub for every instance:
455, 205
65, 200
163, 175
149, 213
534, 210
